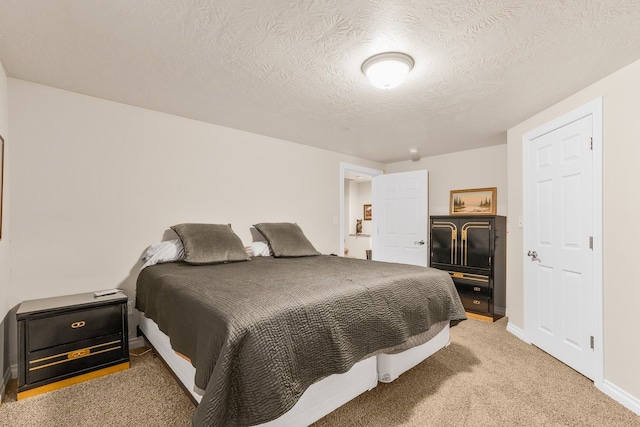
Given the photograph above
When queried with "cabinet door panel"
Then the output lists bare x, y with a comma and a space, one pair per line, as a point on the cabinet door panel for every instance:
444, 245
476, 244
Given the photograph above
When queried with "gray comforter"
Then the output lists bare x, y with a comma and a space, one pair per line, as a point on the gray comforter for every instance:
260, 332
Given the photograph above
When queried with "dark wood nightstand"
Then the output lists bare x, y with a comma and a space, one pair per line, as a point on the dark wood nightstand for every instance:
70, 339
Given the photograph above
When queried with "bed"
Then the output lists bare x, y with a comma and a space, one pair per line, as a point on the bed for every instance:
284, 340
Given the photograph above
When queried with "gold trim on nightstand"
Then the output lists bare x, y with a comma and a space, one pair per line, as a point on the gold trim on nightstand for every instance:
74, 355
78, 353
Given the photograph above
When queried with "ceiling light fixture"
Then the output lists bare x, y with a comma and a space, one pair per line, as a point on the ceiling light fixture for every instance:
387, 70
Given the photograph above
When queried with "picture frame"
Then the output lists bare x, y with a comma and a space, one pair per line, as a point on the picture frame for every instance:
473, 201
367, 212
1, 180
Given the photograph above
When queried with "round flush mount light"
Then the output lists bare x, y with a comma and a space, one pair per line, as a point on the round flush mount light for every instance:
387, 70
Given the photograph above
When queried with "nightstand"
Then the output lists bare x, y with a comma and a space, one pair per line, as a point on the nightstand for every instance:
70, 339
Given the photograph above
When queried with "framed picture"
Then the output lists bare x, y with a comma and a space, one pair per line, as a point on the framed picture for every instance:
367, 212
1, 179
475, 201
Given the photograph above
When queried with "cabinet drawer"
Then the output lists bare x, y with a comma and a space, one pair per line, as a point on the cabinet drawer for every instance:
56, 362
75, 326
475, 303
477, 289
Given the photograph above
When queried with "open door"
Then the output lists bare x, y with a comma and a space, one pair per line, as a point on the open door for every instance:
401, 217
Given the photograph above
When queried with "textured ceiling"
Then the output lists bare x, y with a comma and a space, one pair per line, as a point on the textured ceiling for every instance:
291, 68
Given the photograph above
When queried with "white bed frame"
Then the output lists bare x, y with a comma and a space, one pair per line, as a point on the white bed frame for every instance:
320, 398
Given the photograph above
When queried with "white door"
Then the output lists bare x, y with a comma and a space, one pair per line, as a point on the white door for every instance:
558, 194
400, 217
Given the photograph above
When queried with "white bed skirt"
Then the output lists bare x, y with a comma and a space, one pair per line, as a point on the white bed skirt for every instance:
391, 366
320, 398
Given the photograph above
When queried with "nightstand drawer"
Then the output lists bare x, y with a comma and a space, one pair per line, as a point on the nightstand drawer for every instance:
75, 358
75, 326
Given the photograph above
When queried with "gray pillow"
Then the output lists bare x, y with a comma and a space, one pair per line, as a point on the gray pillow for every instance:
286, 239
210, 243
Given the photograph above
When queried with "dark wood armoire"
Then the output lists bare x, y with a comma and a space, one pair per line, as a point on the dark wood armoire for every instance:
473, 250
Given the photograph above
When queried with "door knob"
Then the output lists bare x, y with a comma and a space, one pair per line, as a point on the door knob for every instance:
419, 242
533, 255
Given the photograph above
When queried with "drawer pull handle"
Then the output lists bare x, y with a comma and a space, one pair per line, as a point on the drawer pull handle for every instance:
460, 275
76, 325
477, 288
476, 302
78, 353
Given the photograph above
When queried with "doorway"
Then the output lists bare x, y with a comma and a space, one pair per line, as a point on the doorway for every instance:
355, 192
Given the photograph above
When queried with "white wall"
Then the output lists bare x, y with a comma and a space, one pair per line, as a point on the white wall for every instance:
483, 167
621, 145
4, 243
94, 182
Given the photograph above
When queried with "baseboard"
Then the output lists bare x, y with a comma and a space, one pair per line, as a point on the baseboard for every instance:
517, 332
14, 371
5, 381
136, 342
621, 396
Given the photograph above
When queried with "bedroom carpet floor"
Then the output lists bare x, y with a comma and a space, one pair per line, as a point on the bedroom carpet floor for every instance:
485, 377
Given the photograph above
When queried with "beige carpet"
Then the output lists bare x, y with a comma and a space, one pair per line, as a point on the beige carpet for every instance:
486, 377
144, 395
